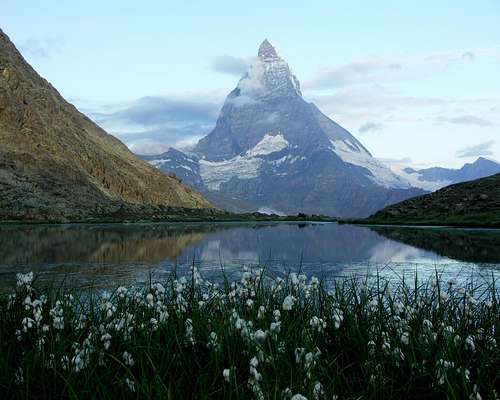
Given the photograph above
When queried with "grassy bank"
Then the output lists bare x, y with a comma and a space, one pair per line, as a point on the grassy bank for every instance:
485, 220
183, 215
259, 338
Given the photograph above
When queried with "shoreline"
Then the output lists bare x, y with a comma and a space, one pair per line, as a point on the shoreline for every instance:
423, 224
232, 218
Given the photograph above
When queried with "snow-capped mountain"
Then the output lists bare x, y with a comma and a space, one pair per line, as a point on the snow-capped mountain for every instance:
437, 177
273, 149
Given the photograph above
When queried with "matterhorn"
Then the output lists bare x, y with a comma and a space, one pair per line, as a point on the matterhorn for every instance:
273, 151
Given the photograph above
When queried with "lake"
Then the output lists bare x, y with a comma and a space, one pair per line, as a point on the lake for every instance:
108, 254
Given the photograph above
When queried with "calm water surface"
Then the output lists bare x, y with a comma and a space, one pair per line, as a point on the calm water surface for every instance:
101, 255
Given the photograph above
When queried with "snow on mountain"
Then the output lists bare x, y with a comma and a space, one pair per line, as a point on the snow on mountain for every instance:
416, 180
380, 174
214, 173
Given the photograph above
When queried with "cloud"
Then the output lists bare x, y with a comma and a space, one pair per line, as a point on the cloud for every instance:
381, 69
153, 110
351, 105
157, 122
478, 150
230, 65
369, 127
40, 48
349, 74
466, 120
469, 55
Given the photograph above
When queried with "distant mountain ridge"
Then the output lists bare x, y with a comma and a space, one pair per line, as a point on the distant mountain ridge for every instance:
437, 177
55, 163
472, 203
272, 149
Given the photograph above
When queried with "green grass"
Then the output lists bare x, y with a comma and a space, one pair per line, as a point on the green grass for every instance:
186, 215
355, 339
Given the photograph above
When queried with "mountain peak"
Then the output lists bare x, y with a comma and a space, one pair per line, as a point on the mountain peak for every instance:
267, 50
484, 160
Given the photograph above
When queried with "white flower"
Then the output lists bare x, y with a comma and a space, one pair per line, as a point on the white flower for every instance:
158, 289
27, 324
469, 343
299, 352
163, 316
427, 324
256, 376
288, 303
276, 315
226, 374
24, 279
405, 338
261, 313
475, 395
260, 335
317, 324
121, 292
79, 361
249, 303
371, 347
189, 335
130, 384
298, 397
318, 391
154, 324
386, 346
106, 340
275, 327
444, 296
213, 341
19, 375
127, 358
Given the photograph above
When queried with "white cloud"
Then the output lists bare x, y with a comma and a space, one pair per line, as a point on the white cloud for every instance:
382, 69
230, 65
478, 150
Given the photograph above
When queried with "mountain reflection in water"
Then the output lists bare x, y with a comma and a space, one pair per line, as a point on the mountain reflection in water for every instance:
470, 245
101, 255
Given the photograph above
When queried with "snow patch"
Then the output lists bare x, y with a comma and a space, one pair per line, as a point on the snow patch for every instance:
157, 162
382, 175
214, 173
186, 167
269, 144
416, 180
270, 211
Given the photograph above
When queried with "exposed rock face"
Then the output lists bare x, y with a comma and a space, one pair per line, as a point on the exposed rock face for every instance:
272, 149
56, 163
469, 203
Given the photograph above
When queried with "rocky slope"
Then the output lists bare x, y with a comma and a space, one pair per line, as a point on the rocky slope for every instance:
55, 163
274, 150
470, 203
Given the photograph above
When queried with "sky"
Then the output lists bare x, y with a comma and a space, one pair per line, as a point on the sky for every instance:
418, 83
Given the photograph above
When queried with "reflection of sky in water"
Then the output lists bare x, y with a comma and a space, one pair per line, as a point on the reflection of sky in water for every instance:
108, 254
391, 251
